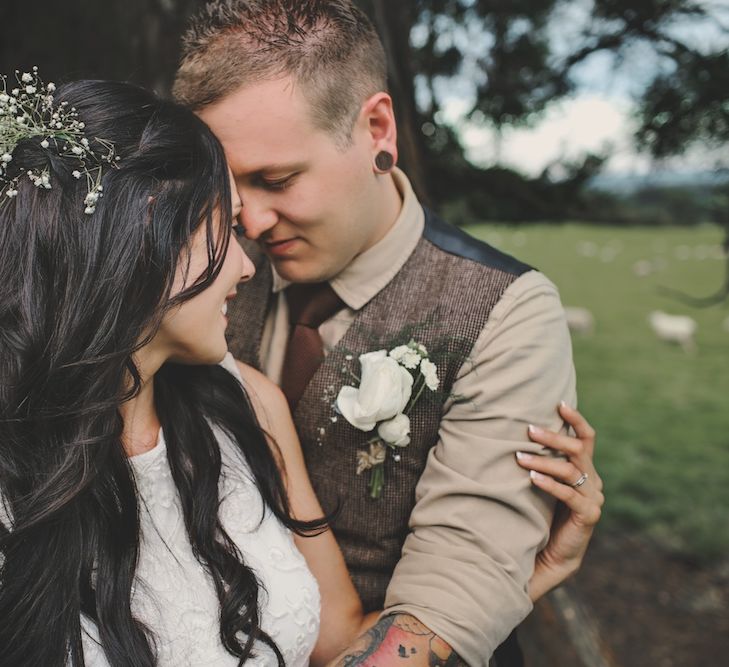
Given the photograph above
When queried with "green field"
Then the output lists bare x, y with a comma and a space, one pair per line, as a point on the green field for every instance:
662, 414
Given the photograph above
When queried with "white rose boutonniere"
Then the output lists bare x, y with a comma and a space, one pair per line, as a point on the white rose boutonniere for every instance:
390, 385
383, 392
395, 431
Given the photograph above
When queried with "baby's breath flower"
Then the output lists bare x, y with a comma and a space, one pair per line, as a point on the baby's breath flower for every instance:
42, 180
410, 359
28, 111
406, 356
398, 352
430, 373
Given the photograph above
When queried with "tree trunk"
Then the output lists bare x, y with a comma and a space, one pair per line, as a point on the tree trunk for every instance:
394, 21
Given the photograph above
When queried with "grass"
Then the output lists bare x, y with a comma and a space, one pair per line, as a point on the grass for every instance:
662, 414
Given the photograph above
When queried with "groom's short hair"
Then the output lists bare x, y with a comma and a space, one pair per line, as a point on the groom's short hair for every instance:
329, 47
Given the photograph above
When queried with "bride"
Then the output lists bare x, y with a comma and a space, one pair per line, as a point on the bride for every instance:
154, 501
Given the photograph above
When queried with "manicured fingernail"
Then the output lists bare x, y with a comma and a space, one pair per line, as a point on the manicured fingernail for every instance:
537, 476
564, 404
535, 430
523, 456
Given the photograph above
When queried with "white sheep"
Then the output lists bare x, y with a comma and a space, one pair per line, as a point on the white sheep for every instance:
678, 329
579, 320
643, 268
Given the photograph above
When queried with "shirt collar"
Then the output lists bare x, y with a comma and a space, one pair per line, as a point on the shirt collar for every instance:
368, 273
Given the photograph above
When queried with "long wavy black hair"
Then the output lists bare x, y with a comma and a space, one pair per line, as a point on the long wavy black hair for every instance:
78, 296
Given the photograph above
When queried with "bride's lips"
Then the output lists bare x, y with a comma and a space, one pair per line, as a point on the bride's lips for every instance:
224, 308
282, 248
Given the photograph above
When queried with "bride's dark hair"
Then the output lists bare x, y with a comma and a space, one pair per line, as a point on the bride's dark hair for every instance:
78, 295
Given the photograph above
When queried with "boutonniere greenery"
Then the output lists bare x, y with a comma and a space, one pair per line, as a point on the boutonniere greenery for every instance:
390, 384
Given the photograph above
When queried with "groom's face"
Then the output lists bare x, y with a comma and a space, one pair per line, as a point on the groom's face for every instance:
306, 199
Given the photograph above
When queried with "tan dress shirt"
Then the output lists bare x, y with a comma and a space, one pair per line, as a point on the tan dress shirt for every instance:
478, 522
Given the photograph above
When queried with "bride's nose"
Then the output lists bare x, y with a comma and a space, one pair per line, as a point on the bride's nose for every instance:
247, 269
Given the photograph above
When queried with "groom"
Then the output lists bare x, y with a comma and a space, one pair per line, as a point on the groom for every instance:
348, 262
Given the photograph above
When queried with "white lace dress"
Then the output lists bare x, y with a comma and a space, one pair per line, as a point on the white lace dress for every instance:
175, 597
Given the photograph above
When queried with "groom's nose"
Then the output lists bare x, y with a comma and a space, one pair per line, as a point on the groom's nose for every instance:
256, 217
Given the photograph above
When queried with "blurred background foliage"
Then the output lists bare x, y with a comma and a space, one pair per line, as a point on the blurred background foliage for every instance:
512, 60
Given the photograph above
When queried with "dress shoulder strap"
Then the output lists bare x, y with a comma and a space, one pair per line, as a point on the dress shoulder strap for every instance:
230, 365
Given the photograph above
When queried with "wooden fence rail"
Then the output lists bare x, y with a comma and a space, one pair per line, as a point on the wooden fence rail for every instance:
562, 632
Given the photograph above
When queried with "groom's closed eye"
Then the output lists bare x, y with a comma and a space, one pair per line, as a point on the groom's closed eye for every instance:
277, 184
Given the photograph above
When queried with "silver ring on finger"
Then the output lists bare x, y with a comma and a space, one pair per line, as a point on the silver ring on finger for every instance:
580, 481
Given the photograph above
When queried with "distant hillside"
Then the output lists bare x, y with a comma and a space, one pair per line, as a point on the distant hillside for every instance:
625, 184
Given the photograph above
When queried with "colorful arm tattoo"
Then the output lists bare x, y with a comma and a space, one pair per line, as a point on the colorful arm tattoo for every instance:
399, 639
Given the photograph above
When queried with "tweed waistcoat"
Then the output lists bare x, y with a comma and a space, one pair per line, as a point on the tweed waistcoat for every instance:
442, 298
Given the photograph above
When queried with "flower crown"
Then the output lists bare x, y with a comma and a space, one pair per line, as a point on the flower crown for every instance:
27, 112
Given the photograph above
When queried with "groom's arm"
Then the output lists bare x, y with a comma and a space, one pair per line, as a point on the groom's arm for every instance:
399, 639
478, 522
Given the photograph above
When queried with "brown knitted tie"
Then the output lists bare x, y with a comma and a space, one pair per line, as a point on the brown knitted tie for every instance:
309, 306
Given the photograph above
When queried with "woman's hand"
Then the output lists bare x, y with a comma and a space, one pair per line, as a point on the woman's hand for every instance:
578, 488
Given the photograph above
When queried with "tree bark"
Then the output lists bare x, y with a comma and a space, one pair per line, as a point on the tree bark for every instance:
394, 21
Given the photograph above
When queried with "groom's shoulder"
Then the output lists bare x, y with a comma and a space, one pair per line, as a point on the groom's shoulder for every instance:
457, 243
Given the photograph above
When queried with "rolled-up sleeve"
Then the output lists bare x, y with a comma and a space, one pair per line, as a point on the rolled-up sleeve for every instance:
478, 522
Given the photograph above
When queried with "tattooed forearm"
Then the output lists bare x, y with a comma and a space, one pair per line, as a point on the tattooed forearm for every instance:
372, 640
398, 640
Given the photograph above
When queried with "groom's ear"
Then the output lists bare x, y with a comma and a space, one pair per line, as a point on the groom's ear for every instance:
379, 116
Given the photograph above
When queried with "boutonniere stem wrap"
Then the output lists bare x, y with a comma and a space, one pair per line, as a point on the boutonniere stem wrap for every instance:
391, 383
